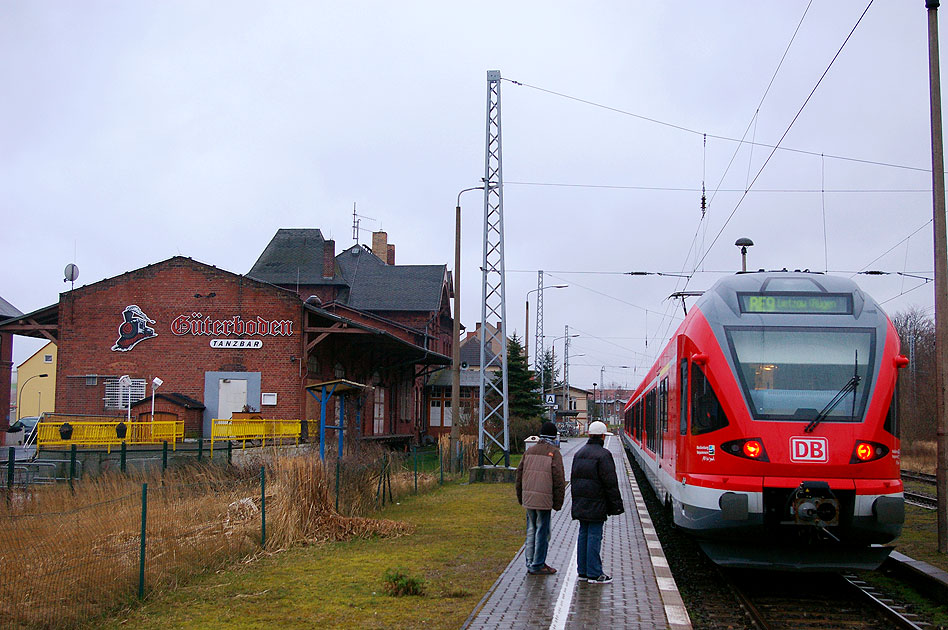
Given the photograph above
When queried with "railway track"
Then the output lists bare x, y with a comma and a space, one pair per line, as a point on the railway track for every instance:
776, 601
909, 475
920, 499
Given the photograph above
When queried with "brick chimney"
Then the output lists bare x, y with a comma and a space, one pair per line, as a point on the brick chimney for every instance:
390, 258
329, 259
380, 245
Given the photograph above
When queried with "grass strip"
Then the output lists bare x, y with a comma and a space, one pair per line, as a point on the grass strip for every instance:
464, 536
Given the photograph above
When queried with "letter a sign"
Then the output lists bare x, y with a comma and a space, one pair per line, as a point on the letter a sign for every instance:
550, 400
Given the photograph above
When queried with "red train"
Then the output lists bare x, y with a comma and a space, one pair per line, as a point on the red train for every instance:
769, 426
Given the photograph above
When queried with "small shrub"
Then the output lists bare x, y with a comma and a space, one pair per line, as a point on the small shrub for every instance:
399, 583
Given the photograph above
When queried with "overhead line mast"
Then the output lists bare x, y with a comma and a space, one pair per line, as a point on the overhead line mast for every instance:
494, 413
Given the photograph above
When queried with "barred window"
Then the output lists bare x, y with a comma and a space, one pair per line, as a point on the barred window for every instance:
117, 397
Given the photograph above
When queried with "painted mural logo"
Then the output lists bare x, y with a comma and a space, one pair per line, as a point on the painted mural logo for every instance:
135, 328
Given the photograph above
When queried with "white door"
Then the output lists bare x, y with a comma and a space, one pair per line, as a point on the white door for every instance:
231, 396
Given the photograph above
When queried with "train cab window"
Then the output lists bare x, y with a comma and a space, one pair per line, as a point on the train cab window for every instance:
683, 399
706, 412
794, 373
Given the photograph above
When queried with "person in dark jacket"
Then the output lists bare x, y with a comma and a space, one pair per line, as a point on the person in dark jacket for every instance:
541, 488
595, 492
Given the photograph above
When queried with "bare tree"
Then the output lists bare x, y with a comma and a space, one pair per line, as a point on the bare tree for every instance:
916, 331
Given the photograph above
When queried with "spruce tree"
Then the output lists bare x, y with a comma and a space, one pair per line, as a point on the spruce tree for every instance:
523, 394
550, 372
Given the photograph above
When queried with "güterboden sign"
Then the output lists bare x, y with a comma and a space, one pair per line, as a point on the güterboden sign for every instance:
196, 324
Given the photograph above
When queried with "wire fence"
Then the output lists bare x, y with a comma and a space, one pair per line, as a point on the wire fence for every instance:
71, 553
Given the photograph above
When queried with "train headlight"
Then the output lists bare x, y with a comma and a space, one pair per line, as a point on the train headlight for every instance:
868, 452
748, 448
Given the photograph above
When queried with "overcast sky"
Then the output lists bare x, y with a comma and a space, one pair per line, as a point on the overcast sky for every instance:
137, 131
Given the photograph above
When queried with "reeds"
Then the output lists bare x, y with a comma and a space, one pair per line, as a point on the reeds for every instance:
468, 450
919, 456
303, 511
70, 556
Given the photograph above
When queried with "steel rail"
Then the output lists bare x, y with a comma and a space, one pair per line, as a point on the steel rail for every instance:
894, 612
918, 499
918, 476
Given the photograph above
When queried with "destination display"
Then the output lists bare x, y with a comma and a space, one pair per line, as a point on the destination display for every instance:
813, 303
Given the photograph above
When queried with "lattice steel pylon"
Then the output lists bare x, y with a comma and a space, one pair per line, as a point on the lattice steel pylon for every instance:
538, 345
493, 408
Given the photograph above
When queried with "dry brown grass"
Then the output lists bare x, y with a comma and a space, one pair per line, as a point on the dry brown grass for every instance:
69, 557
303, 511
469, 450
919, 456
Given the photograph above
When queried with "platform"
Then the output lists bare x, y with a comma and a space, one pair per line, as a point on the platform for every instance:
642, 595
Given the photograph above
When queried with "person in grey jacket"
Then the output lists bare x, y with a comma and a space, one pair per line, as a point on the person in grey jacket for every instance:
595, 491
541, 487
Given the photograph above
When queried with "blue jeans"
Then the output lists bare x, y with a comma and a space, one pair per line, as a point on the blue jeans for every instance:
588, 560
538, 538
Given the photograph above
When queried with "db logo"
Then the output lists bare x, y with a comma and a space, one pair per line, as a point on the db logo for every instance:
809, 449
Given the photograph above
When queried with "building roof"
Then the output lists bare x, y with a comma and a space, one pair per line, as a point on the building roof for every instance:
7, 310
293, 256
376, 286
428, 357
471, 352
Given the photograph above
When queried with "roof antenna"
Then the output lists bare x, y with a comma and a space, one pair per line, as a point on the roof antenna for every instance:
355, 224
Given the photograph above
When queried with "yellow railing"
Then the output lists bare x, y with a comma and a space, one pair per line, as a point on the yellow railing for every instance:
104, 433
244, 430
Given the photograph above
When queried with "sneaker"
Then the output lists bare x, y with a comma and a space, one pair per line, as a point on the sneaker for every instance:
602, 579
582, 576
544, 570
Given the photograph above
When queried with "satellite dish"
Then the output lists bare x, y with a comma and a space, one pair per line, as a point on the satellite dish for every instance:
70, 273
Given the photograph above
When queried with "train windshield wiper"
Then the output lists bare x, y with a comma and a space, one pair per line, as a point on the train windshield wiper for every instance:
850, 386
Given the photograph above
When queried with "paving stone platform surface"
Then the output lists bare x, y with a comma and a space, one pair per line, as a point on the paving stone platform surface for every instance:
642, 595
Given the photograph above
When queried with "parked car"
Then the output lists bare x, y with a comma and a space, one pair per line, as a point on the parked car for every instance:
23, 432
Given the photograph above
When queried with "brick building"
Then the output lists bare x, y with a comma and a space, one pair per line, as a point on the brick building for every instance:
222, 342
364, 286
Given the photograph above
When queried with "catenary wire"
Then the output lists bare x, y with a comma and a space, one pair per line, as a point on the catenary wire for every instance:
725, 190
787, 131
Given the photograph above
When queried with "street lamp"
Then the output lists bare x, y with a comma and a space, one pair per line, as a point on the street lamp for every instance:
553, 368
456, 341
19, 394
593, 414
155, 384
526, 324
553, 352
126, 382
